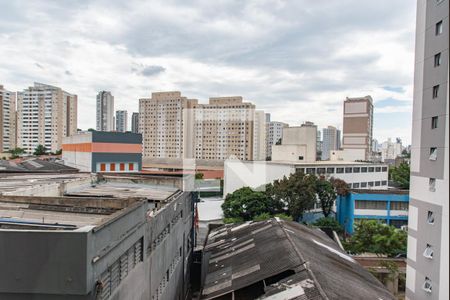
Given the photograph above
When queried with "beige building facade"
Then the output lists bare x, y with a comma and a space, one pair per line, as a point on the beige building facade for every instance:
7, 119
298, 144
45, 115
358, 128
165, 125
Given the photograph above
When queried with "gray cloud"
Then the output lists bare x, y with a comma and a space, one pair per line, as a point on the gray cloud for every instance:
152, 70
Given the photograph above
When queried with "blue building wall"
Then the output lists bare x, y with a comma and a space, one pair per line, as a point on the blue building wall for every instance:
345, 207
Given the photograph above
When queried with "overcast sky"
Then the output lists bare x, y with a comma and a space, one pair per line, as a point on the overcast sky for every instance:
296, 59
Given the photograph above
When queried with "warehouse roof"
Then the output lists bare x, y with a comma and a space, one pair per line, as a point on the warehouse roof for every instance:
276, 259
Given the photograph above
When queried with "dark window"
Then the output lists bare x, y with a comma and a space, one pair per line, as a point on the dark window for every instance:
366, 204
371, 169
364, 170
300, 158
437, 60
370, 183
384, 182
363, 184
377, 183
339, 170
435, 91
356, 185
320, 170
384, 169
434, 122
301, 170
438, 28
377, 169
310, 171
330, 170
348, 170
356, 170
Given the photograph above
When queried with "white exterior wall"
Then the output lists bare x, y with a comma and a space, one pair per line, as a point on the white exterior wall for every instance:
289, 153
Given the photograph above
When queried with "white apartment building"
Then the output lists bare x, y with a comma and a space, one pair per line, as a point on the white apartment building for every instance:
121, 121
45, 115
135, 122
331, 141
390, 150
166, 126
274, 133
259, 136
105, 111
427, 273
255, 174
298, 144
7, 120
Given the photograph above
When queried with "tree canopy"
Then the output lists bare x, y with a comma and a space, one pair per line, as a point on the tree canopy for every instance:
400, 175
375, 237
247, 204
40, 150
16, 152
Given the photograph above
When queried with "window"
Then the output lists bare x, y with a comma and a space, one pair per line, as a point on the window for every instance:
399, 205
384, 182
300, 158
364, 204
432, 184
320, 170
384, 169
310, 171
377, 183
427, 285
434, 122
348, 170
370, 183
356, 170
363, 184
435, 91
364, 170
122, 167
437, 60
102, 167
371, 169
301, 170
433, 153
339, 170
438, 30
430, 217
112, 167
130, 167
377, 169
428, 253
356, 185
330, 170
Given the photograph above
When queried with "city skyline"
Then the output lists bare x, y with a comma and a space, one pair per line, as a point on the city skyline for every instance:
283, 64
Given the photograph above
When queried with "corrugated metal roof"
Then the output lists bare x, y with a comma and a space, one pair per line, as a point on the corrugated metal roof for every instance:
241, 255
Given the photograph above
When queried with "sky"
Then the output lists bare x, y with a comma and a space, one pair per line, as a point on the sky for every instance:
297, 60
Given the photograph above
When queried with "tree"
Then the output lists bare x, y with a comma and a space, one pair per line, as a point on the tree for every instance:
58, 152
247, 204
40, 150
16, 152
298, 193
375, 237
400, 175
329, 223
198, 175
91, 129
327, 195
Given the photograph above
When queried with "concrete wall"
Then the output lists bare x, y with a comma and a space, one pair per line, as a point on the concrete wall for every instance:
293, 153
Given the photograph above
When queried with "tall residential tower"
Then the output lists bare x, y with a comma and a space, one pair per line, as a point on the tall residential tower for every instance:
105, 111
7, 120
45, 115
331, 141
121, 121
427, 274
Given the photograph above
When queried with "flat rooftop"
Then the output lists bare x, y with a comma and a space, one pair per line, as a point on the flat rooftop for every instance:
315, 163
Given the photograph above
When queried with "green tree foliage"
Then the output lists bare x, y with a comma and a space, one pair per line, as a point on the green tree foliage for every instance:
40, 150
400, 175
375, 237
198, 175
262, 217
327, 195
340, 186
247, 204
58, 152
331, 223
298, 193
16, 152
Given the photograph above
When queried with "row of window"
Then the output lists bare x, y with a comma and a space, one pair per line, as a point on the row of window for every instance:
113, 167
165, 280
341, 170
165, 232
381, 205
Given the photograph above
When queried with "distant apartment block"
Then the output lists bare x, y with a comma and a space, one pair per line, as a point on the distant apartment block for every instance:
298, 144
105, 111
390, 150
274, 133
121, 121
100, 151
7, 119
358, 127
135, 122
387, 206
331, 141
428, 231
45, 115
225, 127
163, 121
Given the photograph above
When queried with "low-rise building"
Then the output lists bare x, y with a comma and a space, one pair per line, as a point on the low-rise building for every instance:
105, 237
100, 151
388, 206
254, 174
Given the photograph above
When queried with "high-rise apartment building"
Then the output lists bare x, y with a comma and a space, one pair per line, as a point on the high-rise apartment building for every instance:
164, 121
45, 115
121, 121
331, 141
105, 111
225, 127
7, 120
135, 122
427, 274
259, 136
274, 133
390, 150
358, 127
